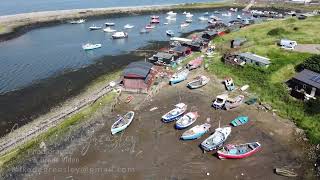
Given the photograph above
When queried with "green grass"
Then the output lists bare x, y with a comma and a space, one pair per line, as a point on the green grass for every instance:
2, 28
269, 83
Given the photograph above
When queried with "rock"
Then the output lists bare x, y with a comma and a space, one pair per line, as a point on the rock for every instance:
305, 139
43, 146
208, 174
267, 107
299, 132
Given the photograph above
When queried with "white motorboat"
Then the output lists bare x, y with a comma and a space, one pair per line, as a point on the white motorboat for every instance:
149, 26
119, 35
80, 21
90, 46
239, 17
171, 13
189, 15
94, 27
202, 18
109, 30
183, 25
109, 24
170, 32
188, 20
226, 14
128, 26
170, 18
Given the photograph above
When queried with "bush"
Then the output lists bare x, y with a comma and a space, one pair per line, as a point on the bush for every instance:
312, 63
312, 106
277, 32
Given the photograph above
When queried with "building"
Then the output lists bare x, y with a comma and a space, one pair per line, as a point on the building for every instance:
250, 58
180, 51
138, 76
209, 35
196, 45
237, 42
162, 58
305, 82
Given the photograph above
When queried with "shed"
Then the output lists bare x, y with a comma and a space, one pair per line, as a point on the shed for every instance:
162, 58
307, 80
180, 51
237, 42
250, 58
136, 76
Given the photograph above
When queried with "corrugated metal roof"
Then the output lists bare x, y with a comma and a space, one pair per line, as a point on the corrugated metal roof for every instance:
138, 69
180, 49
309, 77
163, 55
255, 57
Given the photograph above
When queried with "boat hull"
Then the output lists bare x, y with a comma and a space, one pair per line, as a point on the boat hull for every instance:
170, 119
240, 156
193, 136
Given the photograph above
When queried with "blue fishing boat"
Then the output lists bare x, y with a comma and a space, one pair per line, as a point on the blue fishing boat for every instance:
175, 113
179, 76
122, 122
240, 120
186, 120
196, 132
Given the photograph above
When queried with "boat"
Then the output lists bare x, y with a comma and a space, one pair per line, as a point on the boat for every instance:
155, 21
189, 15
234, 102
285, 172
233, 9
196, 132
239, 17
154, 17
184, 25
179, 76
80, 21
226, 14
220, 101
240, 151
171, 13
216, 12
119, 35
217, 139
143, 30
188, 20
169, 32
175, 113
128, 26
228, 82
199, 82
90, 46
206, 14
122, 122
94, 27
251, 101
202, 18
109, 30
184, 13
166, 23
240, 120
170, 18
149, 26
109, 24
186, 120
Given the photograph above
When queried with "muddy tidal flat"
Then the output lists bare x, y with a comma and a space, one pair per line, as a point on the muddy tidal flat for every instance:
151, 149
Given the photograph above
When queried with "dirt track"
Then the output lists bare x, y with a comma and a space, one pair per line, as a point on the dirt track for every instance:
150, 149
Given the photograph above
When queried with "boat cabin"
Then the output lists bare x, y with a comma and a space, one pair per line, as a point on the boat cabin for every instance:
162, 58
250, 58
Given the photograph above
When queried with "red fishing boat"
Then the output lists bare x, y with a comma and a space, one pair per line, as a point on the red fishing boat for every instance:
232, 151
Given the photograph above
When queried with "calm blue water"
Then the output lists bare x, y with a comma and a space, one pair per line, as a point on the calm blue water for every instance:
51, 51
23, 6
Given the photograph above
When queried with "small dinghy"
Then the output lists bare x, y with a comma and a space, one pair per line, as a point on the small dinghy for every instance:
232, 151
149, 26
109, 30
233, 103
198, 82
119, 35
80, 21
94, 27
175, 113
202, 18
128, 26
240, 120
90, 46
109, 24
186, 120
183, 25
170, 33
179, 76
122, 122
217, 139
196, 132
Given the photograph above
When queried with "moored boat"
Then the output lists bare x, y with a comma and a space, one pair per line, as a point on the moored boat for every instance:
189, 15
128, 26
234, 102
188, 20
186, 120
198, 82
155, 21
171, 13
80, 21
122, 122
170, 18
184, 25
240, 151
169, 32
285, 172
217, 139
179, 76
196, 132
149, 26
119, 35
240, 120
109, 30
90, 46
202, 18
109, 24
175, 113
94, 27
239, 17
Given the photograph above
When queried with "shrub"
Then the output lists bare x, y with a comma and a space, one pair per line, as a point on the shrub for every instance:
277, 32
312, 106
312, 63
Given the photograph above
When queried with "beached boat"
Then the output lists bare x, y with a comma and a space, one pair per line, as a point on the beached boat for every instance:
202, 18
196, 132
179, 76
122, 122
228, 82
109, 30
198, 82
234, 102
240, 120
155, 21
220, 101
128, 26
149, 26
169, 32
186, 120
80, 21
183, 25
109, 24
90, 46
94, 27
171, 13
175, 113
240, 151
119, 35
217, 139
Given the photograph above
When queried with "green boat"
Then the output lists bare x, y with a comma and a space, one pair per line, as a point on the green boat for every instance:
251, 101
240, 120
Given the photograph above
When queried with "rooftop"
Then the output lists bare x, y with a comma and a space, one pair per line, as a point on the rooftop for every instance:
309, 77
137, 69
255, 57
